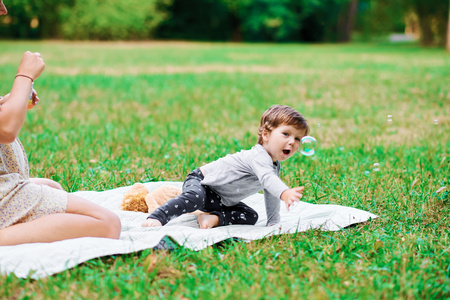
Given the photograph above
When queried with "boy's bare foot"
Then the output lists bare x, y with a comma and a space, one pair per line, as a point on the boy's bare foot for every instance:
151, 223
207, 221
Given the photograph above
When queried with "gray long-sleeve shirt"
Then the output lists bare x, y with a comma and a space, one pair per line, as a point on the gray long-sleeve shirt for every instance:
239, 175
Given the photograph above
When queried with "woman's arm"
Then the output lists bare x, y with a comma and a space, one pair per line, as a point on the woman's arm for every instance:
14, 106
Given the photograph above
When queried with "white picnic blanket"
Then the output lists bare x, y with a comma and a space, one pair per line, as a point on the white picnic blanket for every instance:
43, 259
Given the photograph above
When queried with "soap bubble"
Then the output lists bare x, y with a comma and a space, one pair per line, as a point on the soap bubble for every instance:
389, 119
376, 167
308, 145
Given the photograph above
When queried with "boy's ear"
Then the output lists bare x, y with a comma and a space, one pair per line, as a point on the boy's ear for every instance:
265, 136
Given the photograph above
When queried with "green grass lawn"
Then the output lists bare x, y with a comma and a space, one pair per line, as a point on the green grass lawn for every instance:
112, 114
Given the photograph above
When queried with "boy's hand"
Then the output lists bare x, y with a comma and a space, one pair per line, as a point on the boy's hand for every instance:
151, 223
292, 195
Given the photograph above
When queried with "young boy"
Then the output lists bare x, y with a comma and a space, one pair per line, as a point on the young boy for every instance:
217, 188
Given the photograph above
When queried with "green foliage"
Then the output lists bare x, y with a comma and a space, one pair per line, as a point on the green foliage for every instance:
269, 20
253, 20
32, 19
112, 114
221, 20
320, 19
385, 16
112, 20
380, 17
83, 19
433, 19
197, 20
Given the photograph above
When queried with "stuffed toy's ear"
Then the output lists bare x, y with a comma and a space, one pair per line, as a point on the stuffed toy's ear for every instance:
160, 196
134, 199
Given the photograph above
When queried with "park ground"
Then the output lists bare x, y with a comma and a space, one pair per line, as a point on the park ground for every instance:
112, 114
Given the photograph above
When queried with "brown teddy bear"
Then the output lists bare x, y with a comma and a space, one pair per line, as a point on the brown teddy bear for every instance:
138, 197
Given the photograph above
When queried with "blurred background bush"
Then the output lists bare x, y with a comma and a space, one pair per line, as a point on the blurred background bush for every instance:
111, 19
226, 20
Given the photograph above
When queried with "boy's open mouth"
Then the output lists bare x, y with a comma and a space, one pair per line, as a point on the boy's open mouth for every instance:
286, 152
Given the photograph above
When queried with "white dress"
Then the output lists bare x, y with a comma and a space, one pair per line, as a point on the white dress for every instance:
21, 200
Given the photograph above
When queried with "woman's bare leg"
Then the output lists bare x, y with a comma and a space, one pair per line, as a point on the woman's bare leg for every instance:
82, 219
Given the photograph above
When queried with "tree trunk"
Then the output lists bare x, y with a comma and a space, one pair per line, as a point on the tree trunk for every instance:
448, 29
346, 21
351, 18
426, 33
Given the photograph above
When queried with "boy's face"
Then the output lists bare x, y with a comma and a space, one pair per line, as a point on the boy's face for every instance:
282, 142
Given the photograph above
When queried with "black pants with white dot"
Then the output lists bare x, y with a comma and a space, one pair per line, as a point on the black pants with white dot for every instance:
196, 196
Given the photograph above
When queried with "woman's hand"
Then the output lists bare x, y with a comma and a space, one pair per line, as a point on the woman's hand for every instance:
4, 99
34, 99
31, 65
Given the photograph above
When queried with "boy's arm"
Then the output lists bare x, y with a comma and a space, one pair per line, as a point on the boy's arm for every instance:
272, 208
268, 176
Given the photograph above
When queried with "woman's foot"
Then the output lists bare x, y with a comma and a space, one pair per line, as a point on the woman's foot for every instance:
151, 223
207, 221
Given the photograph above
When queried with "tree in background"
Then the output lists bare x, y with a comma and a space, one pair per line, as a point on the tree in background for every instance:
204, 20
224, 20
83, 19
448, 29
432, 15
295, 20
346, 21
380, 17
237, 20
327, 20
260, 20
112, 19
33, 19
268, 20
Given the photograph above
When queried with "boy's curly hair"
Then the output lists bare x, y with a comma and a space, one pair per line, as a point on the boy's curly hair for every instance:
278, 115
